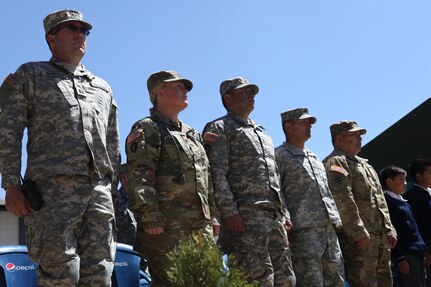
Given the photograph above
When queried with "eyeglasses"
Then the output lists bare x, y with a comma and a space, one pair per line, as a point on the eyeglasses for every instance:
74, 28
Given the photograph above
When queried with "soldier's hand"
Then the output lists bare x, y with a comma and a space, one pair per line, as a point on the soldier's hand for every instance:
235, 224
288, 224
16, 202
154, 230
363, 243
392, 241
427, 259
216, 230
404, 267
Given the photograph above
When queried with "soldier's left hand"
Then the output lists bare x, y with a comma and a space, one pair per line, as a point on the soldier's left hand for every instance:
392, 241
216, 230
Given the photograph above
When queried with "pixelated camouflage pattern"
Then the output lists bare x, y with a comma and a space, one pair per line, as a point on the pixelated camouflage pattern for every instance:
243, 165
70, 131
156, 195
72, 236
237, 83
297, 114
316, 256
359, 196
305, 188
125, 220
58, 17
316, 253
263, 250
246, 182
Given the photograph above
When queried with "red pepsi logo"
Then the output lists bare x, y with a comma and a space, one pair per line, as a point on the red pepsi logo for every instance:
10, 267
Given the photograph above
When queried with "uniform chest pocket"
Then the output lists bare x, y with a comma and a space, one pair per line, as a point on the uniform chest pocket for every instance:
66, 88
247, 139
181, 139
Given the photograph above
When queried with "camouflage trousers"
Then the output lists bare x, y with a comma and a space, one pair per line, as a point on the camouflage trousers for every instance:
263, 250
71, 237
316, 256
154, 248
368, 267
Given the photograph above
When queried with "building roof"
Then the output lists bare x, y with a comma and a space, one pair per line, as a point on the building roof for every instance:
407, 139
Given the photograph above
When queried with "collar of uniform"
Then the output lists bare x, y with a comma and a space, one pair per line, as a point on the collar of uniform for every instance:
295, 150
167, 121
237, 118
355, 158
79, 70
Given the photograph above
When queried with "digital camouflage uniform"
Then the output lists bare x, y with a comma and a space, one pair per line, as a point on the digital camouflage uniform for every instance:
170, 187
246, 182
73, 155
316, 253
356, 189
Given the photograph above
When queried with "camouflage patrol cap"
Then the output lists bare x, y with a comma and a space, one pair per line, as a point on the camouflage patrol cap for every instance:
345, 127
237, 83
166, 77
297, 114
62, 16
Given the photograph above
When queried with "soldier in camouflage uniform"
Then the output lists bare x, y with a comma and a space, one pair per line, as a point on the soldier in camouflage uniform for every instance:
73, 155
247, 189
367, 234
316, 253
126, 223
170, 189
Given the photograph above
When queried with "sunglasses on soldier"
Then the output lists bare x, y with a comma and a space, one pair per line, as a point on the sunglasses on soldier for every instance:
73, 28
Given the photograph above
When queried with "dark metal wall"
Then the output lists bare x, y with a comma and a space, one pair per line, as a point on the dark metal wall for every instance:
407, 139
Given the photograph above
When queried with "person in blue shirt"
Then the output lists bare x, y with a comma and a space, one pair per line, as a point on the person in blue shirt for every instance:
419, 197
408, 254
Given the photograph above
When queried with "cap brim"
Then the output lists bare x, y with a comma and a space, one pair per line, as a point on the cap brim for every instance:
86, 24
187, 83
358, 129
252, 86
304, 117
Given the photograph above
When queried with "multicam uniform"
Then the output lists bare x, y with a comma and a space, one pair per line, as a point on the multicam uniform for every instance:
316, 253
356, 189
73, 155
246, 182
169, 187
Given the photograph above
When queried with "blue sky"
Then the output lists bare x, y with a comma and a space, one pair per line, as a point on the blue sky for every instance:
366, 60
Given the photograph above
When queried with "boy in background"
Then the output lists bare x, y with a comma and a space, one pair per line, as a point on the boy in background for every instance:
408, 254
419, 198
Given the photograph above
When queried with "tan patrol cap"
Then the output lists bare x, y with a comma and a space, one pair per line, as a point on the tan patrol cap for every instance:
346, 127
166, 77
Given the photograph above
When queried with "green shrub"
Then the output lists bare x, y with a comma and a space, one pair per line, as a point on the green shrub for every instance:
197, 262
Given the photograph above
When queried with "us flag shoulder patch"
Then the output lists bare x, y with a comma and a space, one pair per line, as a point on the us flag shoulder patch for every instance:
339, 169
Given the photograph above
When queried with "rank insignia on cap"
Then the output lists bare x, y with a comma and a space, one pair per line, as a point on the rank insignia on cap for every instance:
133, 136
210, 137
339, 169
11, 79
